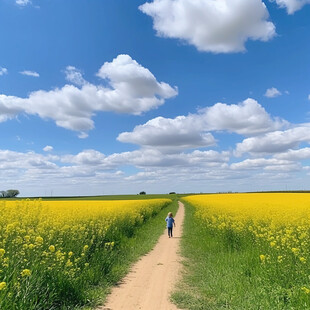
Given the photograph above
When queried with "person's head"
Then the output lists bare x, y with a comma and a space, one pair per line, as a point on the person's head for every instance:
170, 214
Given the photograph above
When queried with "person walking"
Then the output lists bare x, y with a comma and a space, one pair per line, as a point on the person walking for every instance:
170, 223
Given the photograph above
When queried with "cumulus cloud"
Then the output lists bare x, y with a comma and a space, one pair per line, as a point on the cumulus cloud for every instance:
265, 164
168, 134
3, 71
275, 142
48, 148
146, 158
291, 5
133, 86
74, 76
10, 107
211, 26
245, 118
295, 155
30, 73
88, 170
131, 89
272, 92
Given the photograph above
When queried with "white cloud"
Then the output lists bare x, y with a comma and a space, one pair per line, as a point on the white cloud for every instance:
245, 118
295, 155
275, 142
3, 71
74, 76
291, 5
30, 73
133, 85
272, 92
10, 107
48, 148
211, 26
182, 132
168, 134
87, 172
23, 2
265, 164
146, 158
131, 89
309, 96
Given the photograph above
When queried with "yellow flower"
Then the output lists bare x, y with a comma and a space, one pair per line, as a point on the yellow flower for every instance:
2, 286
302, 259
31, 246
262, 258
26, 273
70, 253
51, 248
39, 240
280, 259
69, 263
2, 252
305, 289
85, 248
295, 251
272, 243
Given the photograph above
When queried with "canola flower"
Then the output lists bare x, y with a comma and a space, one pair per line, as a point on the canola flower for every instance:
50, 246
275, 227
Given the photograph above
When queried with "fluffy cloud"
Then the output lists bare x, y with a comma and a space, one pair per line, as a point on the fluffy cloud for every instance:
291, 5
10, 106
295, 155
212, 26
246, 118
87, 171
131, 89
147, 158
168, 134
272, 92
48, 148
74, 76
30, 73
266, 164
3, 71
275, 142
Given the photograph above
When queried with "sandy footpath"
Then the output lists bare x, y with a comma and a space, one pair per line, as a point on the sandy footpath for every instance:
150, 281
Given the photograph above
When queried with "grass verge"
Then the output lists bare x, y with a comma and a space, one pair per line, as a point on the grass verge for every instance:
142, 241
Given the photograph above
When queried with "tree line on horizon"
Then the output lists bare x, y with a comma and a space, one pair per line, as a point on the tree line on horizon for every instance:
10, 193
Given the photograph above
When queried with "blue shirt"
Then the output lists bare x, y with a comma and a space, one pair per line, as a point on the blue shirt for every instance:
170, 221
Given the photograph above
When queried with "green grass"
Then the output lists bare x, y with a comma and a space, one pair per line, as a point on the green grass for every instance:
143, 240
221, 273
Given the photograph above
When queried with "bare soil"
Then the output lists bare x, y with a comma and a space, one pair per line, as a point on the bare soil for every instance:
149, 283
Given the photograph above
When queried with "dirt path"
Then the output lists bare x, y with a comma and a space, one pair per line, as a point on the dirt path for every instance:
151, 279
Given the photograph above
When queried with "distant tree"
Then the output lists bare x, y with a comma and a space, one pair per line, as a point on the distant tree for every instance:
142, 193
11, 193
171, 193
2, 194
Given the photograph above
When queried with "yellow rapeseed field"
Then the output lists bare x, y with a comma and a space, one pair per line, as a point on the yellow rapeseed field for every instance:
47, 247
276, 226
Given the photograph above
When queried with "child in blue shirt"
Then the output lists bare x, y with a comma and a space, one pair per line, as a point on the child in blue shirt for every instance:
170, 222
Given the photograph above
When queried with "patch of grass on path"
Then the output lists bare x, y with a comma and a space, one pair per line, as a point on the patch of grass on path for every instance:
218, 277
143, 240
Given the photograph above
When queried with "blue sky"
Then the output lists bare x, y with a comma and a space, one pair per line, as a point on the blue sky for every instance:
116, 97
